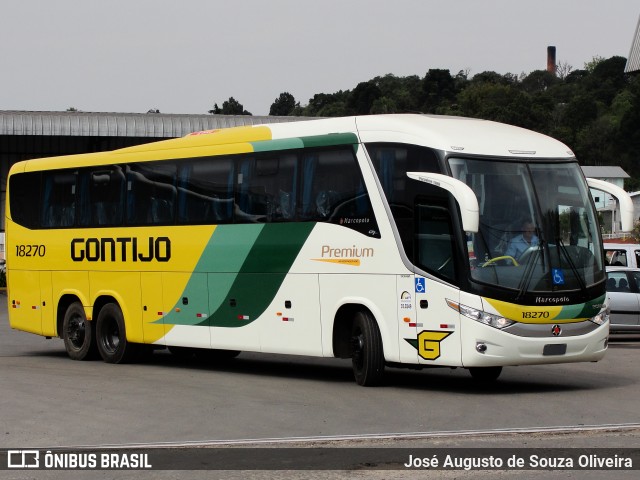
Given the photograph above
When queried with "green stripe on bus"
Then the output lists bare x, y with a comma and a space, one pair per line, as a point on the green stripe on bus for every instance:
273, 145
222, 258
243, 273
591, 308
329, 140
261, 275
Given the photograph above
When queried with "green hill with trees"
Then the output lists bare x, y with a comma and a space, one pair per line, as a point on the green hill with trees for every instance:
596, 110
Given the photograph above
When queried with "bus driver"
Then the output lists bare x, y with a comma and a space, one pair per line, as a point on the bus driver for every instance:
521, 243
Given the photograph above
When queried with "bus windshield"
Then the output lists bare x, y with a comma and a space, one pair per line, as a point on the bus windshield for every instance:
538, 229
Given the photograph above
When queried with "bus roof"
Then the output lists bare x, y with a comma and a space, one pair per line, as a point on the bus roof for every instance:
446, 133
464, 135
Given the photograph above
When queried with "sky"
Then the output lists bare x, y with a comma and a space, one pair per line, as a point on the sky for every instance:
184, 56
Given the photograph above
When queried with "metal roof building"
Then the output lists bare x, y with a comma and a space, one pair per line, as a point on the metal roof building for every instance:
633, 61
141, 125
608, 173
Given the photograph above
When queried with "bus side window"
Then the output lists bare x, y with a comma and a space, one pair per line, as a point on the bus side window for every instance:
392, 161
266, 190
23, 205
102, 196
205, 191
151, 193
59, 202
333, 190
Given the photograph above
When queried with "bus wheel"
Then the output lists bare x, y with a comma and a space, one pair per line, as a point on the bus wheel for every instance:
111, 336
367, 357
78, 333
485, 374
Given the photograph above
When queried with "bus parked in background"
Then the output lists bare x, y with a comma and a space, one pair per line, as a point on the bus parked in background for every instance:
383, 239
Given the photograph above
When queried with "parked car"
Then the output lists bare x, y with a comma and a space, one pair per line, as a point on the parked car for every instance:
622, 254
623, 290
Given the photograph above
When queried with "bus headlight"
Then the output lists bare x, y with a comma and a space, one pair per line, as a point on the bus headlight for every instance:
495, 321
601, 318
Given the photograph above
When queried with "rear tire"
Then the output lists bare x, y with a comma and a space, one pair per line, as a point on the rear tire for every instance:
111, 336
78, 333
367, 356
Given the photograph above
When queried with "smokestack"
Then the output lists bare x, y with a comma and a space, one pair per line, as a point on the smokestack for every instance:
551, 60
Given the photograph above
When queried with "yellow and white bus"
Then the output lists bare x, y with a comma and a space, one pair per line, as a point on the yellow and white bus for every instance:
390, 240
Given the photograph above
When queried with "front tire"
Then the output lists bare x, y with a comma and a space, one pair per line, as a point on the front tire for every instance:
111, 336
367, 356
78, 333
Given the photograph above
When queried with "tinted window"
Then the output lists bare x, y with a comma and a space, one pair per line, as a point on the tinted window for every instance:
205, 190
434, 242
323, 185
333, 191
151, 193
617, 282
59, 199
24, 199
102, 193
392, 162
267, 188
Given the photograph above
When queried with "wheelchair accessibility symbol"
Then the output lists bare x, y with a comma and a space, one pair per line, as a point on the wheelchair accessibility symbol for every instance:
558, 276
421, 285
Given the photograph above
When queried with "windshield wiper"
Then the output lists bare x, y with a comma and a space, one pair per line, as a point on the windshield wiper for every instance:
562, 248
528, 272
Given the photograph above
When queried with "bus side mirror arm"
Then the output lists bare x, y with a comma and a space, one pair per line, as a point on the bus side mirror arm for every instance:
625, 201
465, 197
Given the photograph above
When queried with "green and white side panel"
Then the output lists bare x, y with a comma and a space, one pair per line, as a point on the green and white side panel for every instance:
239, 295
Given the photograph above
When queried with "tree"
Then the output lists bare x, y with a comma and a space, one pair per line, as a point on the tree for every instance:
229, 107
635, 233
590, 66
579, 112
539, 81
608, 79
563, 70
491, 77
327, 104
502, 103
363, 97
284, 105
438, 88
399, 94
384, 105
